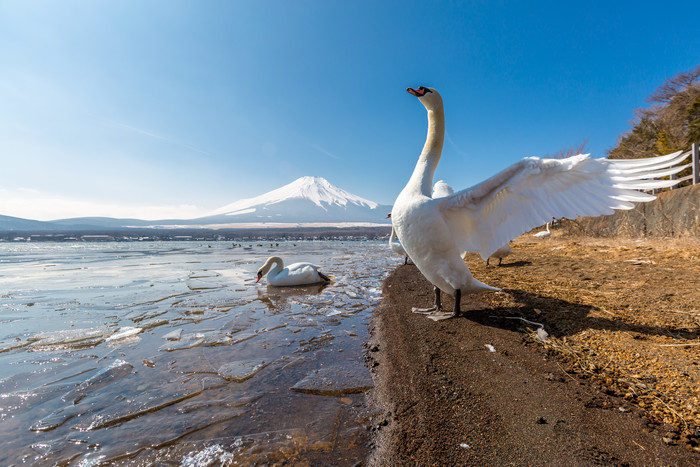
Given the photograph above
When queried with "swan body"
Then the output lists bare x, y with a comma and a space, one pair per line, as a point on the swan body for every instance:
440, 190
501, 253
543, 233
294, 274
435, 232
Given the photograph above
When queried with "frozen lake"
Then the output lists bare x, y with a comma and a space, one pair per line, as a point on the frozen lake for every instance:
140, 353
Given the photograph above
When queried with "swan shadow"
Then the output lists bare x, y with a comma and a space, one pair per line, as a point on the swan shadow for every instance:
562, 318
515, 264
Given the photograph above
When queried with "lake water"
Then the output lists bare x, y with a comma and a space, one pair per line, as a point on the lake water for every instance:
169, 353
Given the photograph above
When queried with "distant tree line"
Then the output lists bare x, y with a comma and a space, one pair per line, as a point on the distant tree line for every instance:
670, 124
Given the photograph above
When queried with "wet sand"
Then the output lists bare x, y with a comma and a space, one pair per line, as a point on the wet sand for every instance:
483, 390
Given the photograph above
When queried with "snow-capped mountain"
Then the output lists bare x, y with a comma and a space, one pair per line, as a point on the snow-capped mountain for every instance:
305, 200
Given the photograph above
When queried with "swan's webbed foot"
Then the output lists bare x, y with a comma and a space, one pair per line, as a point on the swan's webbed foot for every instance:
426, 311
439, 315
435, 312
433, 309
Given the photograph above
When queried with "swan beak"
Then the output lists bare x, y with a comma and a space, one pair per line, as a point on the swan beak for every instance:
420, 92
259, 277
388, 216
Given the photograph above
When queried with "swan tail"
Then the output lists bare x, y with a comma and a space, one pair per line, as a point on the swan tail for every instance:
478, 286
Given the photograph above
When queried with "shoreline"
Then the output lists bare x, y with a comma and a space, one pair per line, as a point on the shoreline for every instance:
447, 399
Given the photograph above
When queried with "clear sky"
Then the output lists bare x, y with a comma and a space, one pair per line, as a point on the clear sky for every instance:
171, 109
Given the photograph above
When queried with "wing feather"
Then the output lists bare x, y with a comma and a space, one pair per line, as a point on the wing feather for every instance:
533, 191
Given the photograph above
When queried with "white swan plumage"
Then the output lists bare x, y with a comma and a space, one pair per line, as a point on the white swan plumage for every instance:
501, 253
440, 190
396, 247
436, 231
543, 233
294, 274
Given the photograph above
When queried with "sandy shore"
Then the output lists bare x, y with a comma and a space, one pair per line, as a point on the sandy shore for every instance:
613, 384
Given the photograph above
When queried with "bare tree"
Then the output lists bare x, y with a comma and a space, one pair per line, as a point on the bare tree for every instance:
568, 152
674, 86
672, 122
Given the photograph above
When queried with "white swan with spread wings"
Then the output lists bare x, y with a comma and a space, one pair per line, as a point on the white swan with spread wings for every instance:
436, 231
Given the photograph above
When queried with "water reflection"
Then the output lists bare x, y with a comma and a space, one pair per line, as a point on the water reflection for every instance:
139, 353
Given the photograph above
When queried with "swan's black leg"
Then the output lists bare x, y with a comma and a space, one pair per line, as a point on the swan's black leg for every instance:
405, 261
458, 300
499, 261
432, 309
487, 261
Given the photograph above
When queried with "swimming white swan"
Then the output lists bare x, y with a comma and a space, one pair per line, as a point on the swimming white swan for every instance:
501, 253
435, 232
294, 274
543, 233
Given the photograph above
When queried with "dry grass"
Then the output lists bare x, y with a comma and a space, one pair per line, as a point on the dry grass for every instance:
623, 313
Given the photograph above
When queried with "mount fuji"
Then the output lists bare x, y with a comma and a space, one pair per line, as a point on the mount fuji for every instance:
307, 200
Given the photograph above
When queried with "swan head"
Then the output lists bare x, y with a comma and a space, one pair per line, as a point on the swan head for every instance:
429, 97
267, 266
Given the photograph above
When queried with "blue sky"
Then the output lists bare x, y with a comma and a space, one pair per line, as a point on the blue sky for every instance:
158, 109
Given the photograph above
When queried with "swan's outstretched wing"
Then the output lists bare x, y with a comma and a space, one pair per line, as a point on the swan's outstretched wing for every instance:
529, 193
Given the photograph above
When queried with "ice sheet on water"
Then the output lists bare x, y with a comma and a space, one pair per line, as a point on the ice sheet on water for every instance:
206, 339
23, 401
173, 335
124, 333
114, 372
336, 380
158, 430
241, 370
232, 402
186, 341
69, 338
145, 402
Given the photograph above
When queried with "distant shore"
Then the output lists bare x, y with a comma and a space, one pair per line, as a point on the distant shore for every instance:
194, 234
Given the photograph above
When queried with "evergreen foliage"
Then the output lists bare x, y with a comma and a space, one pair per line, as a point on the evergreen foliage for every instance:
670, 124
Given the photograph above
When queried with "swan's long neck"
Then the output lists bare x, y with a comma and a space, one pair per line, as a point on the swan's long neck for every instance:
272, 266
430, 156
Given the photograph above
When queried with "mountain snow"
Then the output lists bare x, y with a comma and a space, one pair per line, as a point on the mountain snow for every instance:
307, 201
318, 190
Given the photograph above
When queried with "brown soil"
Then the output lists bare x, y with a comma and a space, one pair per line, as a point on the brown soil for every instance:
617, 381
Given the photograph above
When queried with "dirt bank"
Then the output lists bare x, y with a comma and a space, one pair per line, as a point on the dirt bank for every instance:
674, 213
616, 382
